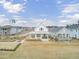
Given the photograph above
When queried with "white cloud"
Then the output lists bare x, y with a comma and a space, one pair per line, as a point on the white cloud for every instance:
25, 22
69, 14
45, 22
13, 8
19, 21
63, 21
2, 1
6, 21
3, 20
69, 19
32, 22
71, 8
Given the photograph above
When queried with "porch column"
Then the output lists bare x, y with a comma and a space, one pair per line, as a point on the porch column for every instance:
40, 36
35, 36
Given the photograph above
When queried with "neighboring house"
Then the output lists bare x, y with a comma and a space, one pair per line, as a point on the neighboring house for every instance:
75, 33
65, 34
75, 29
5, 30
10, 30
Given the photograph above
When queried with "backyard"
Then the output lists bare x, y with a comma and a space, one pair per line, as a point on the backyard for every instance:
43, 50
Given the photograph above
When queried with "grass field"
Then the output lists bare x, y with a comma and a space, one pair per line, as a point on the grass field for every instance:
43, 50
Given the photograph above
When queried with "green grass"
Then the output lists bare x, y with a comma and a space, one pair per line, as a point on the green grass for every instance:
43, 50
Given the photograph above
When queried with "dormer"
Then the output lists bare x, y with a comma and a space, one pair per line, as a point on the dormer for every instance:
41, 28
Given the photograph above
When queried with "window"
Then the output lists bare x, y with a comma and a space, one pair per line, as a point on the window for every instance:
59, 35
67, 35
4, 28
41, 29
38, 35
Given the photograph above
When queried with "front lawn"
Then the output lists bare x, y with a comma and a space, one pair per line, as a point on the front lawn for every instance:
43, 50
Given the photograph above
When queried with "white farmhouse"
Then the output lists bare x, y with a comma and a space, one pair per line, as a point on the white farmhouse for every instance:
40, 33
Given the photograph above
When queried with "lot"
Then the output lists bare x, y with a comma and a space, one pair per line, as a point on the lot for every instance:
43, 50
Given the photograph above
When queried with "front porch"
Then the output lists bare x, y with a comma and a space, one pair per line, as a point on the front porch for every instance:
39, 36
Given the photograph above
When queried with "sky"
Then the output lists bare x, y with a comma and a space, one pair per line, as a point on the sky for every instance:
33, 12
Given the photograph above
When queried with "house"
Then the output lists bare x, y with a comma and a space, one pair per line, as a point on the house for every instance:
75, 29
65, 34
75, 33
10, 30
40, 33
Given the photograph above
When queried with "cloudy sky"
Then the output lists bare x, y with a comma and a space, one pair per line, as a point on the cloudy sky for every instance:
33, 12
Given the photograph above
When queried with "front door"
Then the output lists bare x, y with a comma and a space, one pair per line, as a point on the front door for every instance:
44, 37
